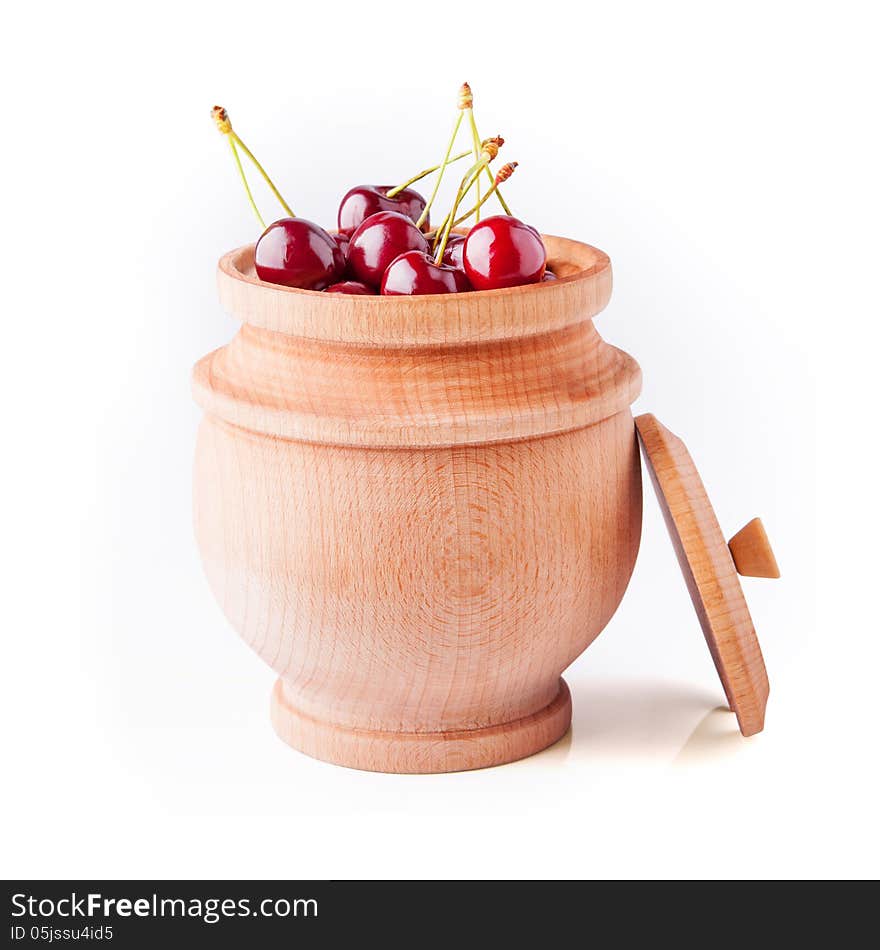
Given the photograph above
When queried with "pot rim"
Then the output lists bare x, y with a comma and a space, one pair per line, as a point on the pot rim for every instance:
582, 289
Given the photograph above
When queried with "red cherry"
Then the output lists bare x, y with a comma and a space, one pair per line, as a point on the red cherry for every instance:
454, 251
365, 200
380, 239
501, 251
350, 287
342, 238
297, 253
416, 273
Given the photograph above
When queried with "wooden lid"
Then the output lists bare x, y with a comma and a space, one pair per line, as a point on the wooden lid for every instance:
710, 569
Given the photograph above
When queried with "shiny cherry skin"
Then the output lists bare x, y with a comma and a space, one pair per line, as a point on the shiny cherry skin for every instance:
501, 251
351, 287
454, 251
342, 238
298, 253
380, 239
548, 276
365, 200
416, 273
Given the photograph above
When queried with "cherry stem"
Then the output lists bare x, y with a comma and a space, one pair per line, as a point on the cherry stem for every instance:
476, 208
488, 153
437, 234
434, 235
244, 181
224, 127
477, 148
472, 175
234, 135
441, 169
476, 136
423, 174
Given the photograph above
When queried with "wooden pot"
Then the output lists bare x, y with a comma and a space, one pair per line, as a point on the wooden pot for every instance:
419, 510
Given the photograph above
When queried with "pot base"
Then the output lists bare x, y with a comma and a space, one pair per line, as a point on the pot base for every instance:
422, 752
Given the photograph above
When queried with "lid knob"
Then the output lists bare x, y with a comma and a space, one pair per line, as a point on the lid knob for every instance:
751, 551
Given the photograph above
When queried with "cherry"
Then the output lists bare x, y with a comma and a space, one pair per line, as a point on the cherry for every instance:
298, 253
501, 251
454, 251
548, 275
378, 240
342, 238
416, 273
350, 287
365, 200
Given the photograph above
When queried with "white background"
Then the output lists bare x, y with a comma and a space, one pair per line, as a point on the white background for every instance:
723, 155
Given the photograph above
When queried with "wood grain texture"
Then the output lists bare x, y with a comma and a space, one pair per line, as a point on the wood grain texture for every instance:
582, 290
709, 571
346, 394
419, 536
419, 752
751, 551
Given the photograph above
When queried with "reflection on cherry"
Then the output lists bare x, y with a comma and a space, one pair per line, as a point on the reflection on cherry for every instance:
298, 253
380, 239
365, 200
416, 273
351, 287
501, 251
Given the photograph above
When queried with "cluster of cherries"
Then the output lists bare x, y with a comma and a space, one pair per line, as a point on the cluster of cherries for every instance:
385, 244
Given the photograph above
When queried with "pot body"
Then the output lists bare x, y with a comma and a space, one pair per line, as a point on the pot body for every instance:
418, 539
